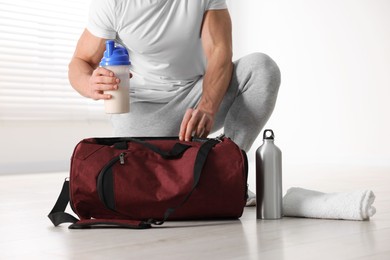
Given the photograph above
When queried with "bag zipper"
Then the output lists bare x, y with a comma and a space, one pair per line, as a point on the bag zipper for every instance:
220, 137
122, 158
112, 140
101, 176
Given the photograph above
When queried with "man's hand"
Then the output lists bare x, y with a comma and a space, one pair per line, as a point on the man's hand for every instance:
85, 75
102, 80
195, 123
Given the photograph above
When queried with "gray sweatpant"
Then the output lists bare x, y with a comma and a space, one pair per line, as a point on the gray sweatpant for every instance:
245, 109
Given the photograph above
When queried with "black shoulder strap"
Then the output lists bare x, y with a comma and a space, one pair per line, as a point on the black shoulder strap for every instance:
58, 215
200, 161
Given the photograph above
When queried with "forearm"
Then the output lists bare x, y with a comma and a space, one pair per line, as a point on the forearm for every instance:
216, 80
217, 45
79, 74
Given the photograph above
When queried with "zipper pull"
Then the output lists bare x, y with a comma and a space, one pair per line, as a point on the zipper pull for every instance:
122, 158
220, 137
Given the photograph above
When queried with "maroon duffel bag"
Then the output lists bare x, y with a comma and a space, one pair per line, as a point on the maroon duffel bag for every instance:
137, 182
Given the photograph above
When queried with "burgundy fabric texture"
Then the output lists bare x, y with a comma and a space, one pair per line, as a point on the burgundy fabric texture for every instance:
145, 184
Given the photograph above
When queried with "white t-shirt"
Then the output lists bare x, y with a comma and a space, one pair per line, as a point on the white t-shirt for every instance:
163, 40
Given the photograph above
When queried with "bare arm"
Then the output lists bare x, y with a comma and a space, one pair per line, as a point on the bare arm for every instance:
217, 43
84, 73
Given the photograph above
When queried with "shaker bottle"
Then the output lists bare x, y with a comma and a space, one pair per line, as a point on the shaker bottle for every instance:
269, 178
116, 59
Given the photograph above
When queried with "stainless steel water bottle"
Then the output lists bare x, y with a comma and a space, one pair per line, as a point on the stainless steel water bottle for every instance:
268, 178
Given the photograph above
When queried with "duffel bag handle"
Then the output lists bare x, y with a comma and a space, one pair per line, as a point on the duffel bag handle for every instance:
200, 161
100, 223
176, 152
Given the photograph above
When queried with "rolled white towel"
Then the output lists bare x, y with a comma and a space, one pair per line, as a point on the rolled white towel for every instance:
355, 205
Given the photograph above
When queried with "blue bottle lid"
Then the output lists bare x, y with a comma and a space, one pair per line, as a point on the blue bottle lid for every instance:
114, 55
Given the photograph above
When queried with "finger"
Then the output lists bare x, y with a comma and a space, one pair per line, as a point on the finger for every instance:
201, 128
100, 95
191, 125
107, 80
184, 122
207, 129
100, 71
208, 125
105, 87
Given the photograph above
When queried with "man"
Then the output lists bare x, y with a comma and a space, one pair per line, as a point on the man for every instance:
183, 79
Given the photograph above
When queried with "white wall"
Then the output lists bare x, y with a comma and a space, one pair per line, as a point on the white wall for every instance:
43, 146
334, 57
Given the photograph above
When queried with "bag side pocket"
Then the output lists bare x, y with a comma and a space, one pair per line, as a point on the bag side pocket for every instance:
105, 183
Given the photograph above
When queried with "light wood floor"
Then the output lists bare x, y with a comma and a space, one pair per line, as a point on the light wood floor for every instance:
26, 233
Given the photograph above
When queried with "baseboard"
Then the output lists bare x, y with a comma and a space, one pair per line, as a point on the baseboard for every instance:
34, 167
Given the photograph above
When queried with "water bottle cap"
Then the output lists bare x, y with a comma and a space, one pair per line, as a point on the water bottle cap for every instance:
114, 55
268, 134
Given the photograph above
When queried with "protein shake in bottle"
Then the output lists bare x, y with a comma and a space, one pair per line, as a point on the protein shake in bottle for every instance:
116, 59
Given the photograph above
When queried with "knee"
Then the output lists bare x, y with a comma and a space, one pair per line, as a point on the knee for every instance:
265, 69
